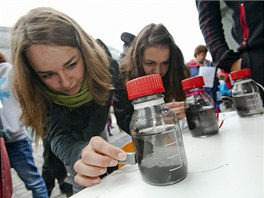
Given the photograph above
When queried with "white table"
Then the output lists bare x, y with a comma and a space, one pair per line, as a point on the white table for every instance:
227, 165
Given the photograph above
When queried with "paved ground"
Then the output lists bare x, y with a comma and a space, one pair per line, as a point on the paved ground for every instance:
19, 190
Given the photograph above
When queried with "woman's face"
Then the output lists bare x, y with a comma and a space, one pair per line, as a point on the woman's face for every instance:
61, 68
156, 60
201, 57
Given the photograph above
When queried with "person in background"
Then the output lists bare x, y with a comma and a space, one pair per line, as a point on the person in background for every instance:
64, 85
109, 125
227, 78
200, 60
153, 51
127, 38
17, 141
247, 31
223, 86
200, 53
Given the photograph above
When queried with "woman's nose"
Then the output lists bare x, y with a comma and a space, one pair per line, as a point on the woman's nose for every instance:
64, 81
157, 69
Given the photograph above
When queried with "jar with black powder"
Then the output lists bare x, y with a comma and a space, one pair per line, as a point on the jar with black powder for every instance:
200, 109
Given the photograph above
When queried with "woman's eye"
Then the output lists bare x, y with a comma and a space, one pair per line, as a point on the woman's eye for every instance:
149, 63
166, 63
72, 65
47, 75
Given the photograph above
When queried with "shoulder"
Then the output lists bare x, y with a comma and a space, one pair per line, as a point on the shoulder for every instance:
209, 63
193, 63
6, 71
5, 68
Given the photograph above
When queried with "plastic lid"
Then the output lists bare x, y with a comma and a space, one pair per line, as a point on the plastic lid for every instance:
243, 73
193, 82
145, 85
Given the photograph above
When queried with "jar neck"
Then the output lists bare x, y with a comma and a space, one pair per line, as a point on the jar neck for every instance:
194, 91
146, 101
243, 80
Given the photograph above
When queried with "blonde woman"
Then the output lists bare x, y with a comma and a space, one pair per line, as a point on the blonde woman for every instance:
58, 80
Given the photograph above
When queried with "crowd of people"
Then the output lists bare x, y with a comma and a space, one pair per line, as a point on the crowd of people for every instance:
62, 83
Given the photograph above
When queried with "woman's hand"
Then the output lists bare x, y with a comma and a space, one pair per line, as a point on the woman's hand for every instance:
95, 158
178, 108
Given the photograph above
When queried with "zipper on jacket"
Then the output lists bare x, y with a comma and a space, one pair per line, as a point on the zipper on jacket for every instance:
243, 24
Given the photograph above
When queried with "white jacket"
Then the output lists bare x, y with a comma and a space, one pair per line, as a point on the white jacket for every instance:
10, 111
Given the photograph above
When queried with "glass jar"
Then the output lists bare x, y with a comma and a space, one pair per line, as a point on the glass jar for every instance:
245, 93
200, 109
155, 132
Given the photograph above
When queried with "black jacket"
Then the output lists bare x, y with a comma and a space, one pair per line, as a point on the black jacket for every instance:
70, 129
123, 107
247, 30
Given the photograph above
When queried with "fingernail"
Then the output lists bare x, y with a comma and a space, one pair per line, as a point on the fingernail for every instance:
102, 171
121, 156
95, 181
113, 163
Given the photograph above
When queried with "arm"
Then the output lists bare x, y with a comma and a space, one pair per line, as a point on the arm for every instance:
213, 33
60, 137
224, 90
70, 130
81, 147
122, 107
178, 109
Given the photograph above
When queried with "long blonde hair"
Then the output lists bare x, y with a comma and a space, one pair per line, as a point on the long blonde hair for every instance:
48, 26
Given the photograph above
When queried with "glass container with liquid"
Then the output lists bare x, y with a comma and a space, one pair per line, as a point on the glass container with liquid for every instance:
155, 132
245, 93
200, 110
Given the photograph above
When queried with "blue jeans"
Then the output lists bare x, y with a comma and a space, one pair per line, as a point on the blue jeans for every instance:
21, 159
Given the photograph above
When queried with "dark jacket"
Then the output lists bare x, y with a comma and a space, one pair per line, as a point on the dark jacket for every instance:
70, 129
123, 107
247, 30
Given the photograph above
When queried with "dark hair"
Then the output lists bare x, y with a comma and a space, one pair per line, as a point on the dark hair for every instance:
156, 35
221, 77
199, 49
2, 58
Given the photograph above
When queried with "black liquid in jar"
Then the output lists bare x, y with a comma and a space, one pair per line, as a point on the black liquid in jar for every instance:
157, 175
248, 105
201, 120
159, 165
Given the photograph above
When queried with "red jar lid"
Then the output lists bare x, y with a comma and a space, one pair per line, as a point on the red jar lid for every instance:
243, 73
145, 85
193, 82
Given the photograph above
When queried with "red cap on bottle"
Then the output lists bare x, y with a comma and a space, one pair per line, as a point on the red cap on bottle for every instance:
193, 82
243, 73
145, 85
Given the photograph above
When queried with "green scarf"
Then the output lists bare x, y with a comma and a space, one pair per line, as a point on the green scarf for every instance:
82, 97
